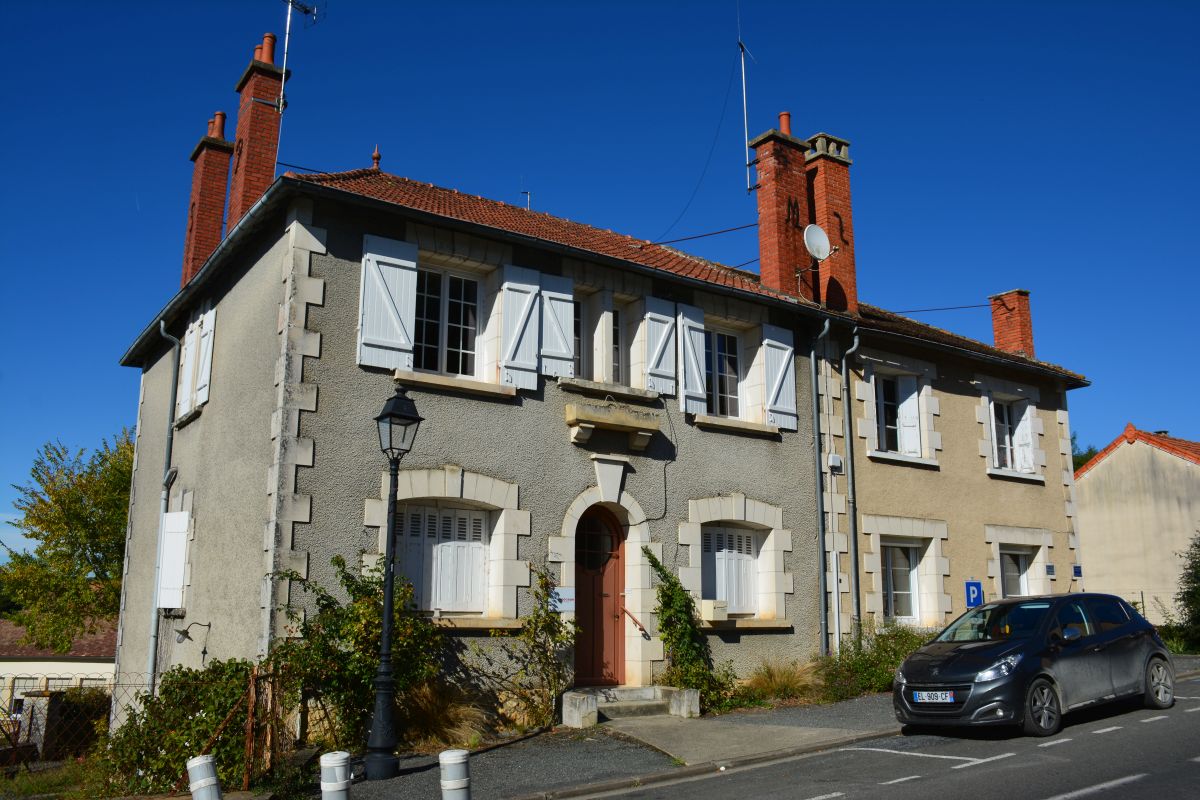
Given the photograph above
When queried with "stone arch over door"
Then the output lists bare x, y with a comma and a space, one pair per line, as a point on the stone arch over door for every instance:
640, 653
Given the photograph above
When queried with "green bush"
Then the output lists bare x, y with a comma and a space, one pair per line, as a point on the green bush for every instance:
1187, 599
866, 665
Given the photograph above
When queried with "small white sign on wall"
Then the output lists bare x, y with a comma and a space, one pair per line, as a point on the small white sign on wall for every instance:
563, 599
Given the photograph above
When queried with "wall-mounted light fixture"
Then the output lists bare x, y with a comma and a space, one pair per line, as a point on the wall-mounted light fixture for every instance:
184, 635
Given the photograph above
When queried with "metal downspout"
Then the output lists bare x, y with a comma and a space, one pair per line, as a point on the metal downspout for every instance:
152, 653
852, 502
822, 588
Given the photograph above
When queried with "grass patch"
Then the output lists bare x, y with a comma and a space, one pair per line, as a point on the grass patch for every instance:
436, 715
785, 680
67, 777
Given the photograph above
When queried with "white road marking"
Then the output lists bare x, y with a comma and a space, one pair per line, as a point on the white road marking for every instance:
827, 796
1099, 787
1155, 719
910, 753
1181, 697
911, 778
1056, 741
1196, 759
982, 761
1190, 710
1108, 730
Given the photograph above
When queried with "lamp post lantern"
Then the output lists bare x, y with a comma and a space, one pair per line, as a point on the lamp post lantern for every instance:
398, 423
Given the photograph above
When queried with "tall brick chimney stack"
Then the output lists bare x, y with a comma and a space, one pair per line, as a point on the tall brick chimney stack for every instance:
783, 210
828, 161
257, 136
206, 208
1012, 324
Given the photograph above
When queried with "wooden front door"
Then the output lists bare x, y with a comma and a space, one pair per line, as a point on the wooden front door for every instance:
599, 585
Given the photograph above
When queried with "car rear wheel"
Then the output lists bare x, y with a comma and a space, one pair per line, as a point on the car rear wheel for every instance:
1043, 715
1160, 685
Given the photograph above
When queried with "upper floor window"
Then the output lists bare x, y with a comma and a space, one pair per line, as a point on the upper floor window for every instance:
447, 323
1012, 435
898, 415
620, 372
195, 361
579, 339
721, 373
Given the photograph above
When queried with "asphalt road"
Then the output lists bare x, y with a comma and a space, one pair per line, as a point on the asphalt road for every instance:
1120, 750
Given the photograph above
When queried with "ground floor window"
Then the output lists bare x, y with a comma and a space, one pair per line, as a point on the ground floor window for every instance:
900, 583
1014, 573
728, 567
443, 551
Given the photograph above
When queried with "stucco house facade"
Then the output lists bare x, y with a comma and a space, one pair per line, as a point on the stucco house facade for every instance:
585, 394
1139, 508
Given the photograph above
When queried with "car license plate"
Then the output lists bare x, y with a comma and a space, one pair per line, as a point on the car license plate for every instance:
933, 697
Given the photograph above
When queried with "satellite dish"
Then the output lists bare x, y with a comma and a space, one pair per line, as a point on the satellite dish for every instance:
816, 242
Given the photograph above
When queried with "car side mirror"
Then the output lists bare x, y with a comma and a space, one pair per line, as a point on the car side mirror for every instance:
1071, 635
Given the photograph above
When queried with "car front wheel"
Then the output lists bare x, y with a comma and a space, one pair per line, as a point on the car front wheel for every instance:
1160, 685
1043, 715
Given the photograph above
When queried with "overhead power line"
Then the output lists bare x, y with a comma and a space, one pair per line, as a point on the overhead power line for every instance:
943, 308
702, 235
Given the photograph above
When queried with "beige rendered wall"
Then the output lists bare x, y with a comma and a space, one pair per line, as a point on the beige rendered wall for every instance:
1138, 508
946, 501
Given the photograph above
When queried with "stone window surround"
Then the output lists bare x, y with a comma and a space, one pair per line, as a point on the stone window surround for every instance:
990, 389
505, 571
927, 535
929, 406
774, 583
1036, 541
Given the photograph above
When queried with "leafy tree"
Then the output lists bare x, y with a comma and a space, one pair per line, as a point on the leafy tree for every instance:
1187, 599
75, 509
1081, 457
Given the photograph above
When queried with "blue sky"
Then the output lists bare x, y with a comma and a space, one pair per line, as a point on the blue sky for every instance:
1049, 146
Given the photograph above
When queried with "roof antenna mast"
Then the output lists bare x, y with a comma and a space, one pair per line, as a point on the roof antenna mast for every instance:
745, 117
309, 12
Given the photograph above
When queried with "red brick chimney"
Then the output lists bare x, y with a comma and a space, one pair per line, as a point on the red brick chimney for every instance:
829, 182
206, 208
257, 130
1012, 325
783, 210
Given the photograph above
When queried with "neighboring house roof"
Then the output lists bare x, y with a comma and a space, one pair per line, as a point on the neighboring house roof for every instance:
1183, 448
99, 645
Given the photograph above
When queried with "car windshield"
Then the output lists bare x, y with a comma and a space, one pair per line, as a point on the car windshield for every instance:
994, 622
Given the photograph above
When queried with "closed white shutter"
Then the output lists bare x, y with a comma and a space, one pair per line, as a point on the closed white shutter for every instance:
780, 377
174, 559
185, 395
522, 319
460, 561
387, 303
721, 566
208, 321
558, 326
1022, 420
660, 345
909, 415
692, 396
739, 569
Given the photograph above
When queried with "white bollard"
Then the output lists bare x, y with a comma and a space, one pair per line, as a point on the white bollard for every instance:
335, 776
202, 778
456, 775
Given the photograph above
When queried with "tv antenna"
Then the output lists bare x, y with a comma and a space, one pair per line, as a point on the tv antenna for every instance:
745, 117
309, 12
528, 199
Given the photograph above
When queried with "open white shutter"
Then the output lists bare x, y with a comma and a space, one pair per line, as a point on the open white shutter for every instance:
387, 303
781, 376
1022, 420
184, 395
692, 395
521, 321
174, 559
558, 326
208, 322
411, 550
909, 415
660, 345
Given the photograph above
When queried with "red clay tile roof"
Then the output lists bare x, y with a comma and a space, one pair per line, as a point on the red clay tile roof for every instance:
101, 644
1169, 444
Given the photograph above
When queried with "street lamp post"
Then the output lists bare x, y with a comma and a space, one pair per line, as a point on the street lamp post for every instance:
398, 423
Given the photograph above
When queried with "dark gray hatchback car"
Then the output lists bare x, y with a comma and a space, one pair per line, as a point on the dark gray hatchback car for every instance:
1028, 660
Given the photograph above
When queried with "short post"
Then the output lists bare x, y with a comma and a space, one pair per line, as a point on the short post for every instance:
202, 778
456, 775
335, 776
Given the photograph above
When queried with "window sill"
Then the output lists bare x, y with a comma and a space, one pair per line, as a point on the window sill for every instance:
901, 458
464, 385
746, 624
188, 417
616, 391
584, 417
1030, 477
477, 623
734, 425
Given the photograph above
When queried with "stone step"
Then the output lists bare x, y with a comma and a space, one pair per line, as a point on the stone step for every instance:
633, 708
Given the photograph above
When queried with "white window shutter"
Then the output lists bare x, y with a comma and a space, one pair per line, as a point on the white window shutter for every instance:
208, 321
460, 561
411, 549
185, 393
387, 303
558, 326
991, 426
1023, 436
909, 415
780, 377
692, 395
522, 319
172, 566
721, 567
708, 566
660, 345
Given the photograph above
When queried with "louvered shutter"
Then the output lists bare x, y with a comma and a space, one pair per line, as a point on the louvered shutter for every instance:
558, 326
411, 548
460, 560
185, 394
708, 566
692, 395
909, 416
387, 303
721, 566
780, 377
521, 321
1022, 420
208, 322
173, 559
660, 346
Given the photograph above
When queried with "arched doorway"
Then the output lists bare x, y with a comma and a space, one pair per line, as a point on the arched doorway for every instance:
600, 589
